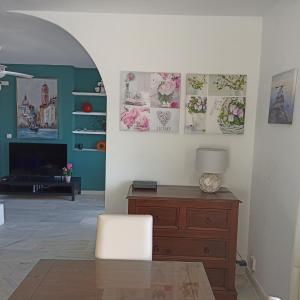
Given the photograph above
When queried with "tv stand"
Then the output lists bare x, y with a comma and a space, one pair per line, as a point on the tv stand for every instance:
40, 186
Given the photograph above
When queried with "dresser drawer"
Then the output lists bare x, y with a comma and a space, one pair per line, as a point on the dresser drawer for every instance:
162, 216
189, 247
216, 277
198, 218
190, 225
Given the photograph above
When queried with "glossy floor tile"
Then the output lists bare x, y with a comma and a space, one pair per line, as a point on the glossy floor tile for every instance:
244, 287
44, 228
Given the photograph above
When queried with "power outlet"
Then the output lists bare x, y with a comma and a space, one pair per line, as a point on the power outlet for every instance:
253, 263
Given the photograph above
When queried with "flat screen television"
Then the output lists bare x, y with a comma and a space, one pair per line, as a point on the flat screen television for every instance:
34, 159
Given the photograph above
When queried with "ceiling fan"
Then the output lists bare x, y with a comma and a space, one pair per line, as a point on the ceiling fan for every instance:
3, 73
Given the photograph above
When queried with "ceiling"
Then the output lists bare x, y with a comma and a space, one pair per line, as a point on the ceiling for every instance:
28, 40
186, 7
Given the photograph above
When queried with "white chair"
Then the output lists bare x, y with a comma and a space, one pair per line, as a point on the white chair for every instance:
124, 237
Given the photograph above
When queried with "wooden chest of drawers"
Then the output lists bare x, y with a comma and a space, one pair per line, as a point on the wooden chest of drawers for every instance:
190, 225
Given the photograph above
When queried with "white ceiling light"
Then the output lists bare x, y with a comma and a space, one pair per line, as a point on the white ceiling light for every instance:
3, 73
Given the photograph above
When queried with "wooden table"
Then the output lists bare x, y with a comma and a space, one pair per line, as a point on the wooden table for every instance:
114, 280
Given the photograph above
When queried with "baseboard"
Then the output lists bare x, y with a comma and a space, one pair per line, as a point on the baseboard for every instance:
257, 286
88, 192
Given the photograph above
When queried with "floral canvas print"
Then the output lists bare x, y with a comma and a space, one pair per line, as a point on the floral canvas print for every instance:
37, 106
227, 85
197, 84
215, 103
231, 115
282, 98
150, 101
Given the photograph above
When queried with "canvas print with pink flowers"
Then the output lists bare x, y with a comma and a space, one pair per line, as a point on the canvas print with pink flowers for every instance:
215, 103
150, 101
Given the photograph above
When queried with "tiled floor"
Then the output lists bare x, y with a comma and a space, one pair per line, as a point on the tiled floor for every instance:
244, 287
59, 228
45, 228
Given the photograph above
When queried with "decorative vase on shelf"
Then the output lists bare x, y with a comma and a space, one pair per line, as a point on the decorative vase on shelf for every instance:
68, 179
87, 107
199, 121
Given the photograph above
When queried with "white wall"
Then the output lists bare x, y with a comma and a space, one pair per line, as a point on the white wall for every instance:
174, 44
276, 171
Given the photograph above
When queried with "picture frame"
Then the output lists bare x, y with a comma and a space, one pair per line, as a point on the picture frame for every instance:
150, 101
283, 91
215, 103
37, 108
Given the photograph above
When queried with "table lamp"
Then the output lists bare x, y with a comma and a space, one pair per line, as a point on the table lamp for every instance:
211, 163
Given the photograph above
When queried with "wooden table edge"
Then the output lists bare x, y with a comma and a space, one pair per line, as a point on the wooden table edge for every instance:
32, 281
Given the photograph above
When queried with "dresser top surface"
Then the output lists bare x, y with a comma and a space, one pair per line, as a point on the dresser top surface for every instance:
180, 192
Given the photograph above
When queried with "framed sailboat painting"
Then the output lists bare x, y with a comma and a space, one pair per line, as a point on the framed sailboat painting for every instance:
282, 97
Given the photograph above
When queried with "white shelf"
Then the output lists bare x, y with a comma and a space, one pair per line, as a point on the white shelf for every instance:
82, 113
86, 149
88, 94
89, 132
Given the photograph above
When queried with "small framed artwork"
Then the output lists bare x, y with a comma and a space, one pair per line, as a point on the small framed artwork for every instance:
37, 105
282, 97
215, 103
150, 101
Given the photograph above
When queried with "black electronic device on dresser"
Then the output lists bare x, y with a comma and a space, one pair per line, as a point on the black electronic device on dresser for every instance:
36, 168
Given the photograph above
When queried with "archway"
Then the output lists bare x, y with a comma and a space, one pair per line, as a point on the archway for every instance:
50, 226
31, 45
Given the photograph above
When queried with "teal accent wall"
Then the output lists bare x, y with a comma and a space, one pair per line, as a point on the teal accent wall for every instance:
90, 166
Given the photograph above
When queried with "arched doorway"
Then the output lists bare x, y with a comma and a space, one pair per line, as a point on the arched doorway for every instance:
44, 50
49, 226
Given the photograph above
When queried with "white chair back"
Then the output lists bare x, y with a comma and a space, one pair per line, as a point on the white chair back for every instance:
124, 237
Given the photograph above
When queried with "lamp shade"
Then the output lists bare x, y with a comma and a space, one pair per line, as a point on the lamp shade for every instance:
211, 160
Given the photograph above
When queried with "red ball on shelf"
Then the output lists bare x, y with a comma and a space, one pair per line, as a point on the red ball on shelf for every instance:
87, 107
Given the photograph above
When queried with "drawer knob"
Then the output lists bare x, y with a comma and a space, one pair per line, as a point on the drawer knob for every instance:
207, 220
206, 250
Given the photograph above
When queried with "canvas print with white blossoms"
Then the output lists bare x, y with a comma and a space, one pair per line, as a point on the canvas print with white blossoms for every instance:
215, 103
150, 101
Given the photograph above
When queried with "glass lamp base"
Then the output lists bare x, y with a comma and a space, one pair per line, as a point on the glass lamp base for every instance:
209, 182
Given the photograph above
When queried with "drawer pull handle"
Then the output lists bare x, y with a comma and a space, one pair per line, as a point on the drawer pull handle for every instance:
206, 250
